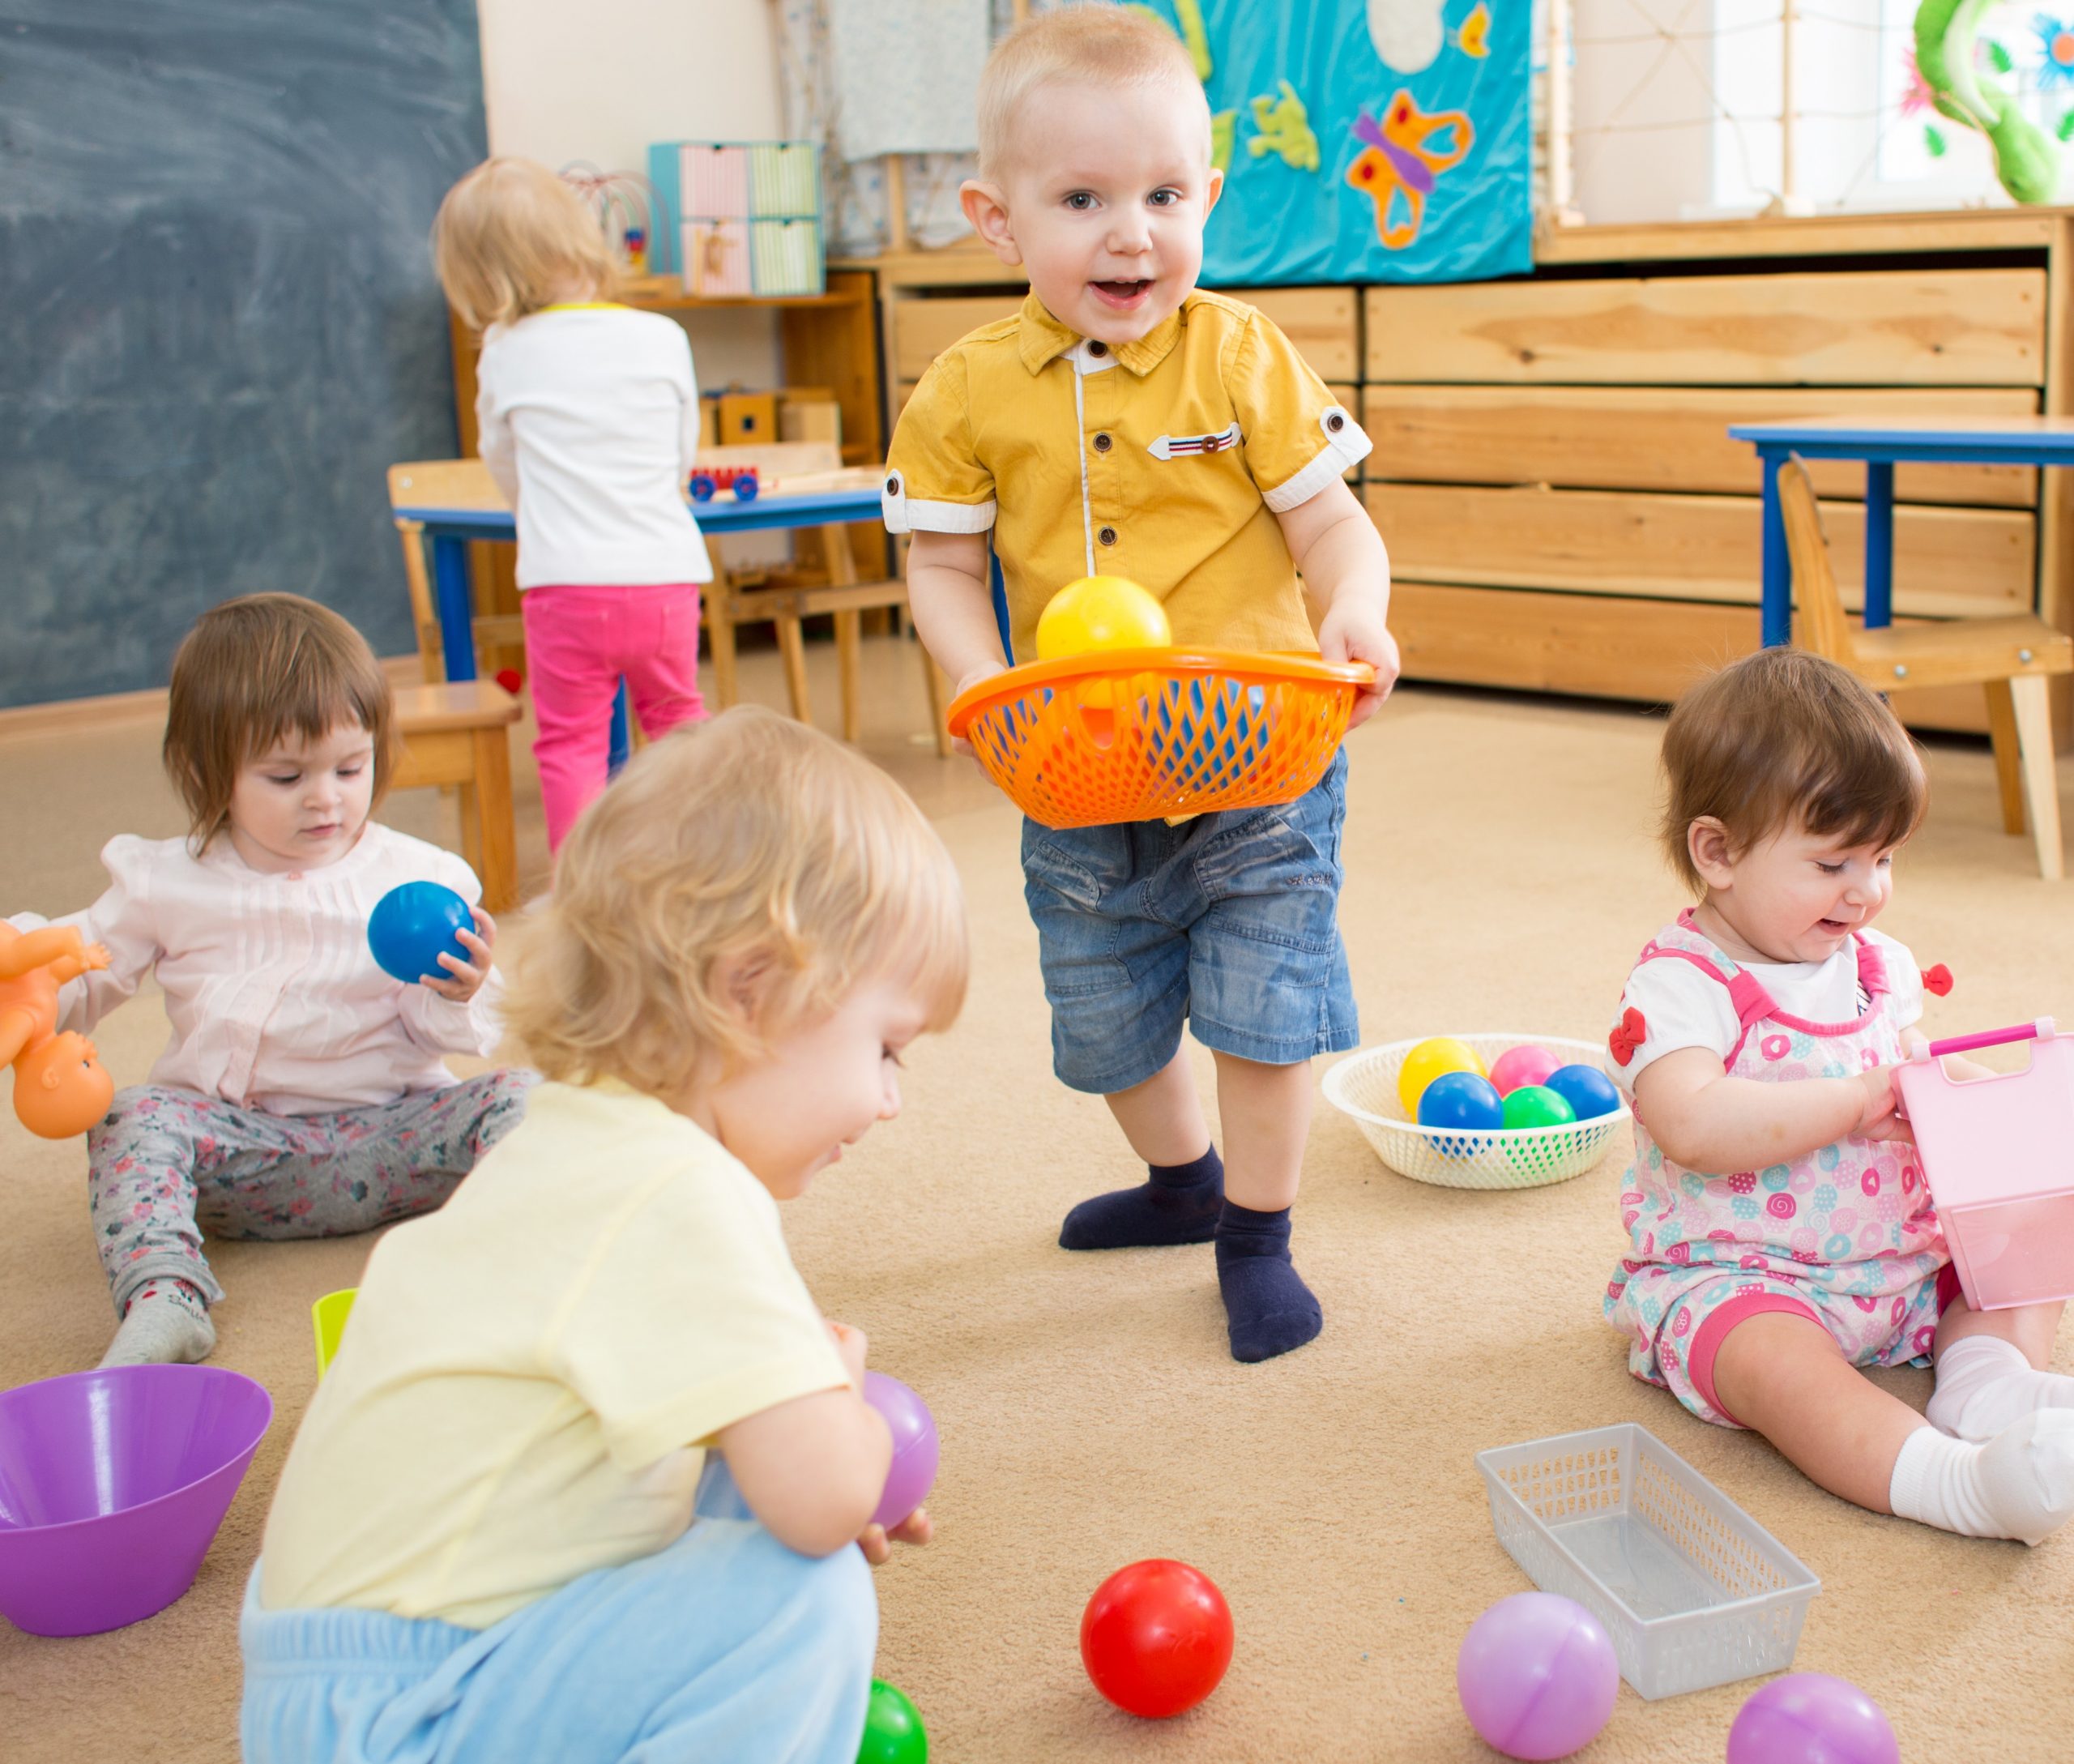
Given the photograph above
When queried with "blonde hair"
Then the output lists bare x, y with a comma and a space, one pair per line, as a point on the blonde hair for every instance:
509, 236
253, 671
1782, 738
750, 845
1105, 45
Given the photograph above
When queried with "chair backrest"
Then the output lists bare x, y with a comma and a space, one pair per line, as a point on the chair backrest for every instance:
444, 484
1824, 627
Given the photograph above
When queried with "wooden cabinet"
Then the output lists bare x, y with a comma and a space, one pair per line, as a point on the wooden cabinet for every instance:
1552, 469
1553, 473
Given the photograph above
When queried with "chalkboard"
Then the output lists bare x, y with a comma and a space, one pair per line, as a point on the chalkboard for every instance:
219, 324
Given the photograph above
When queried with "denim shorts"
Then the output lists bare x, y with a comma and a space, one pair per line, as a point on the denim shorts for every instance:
1229, 921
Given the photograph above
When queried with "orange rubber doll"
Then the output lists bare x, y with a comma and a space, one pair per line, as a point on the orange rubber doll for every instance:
60, 1087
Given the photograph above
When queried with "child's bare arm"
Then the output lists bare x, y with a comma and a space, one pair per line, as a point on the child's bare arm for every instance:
950, 593
1346, 576
812, 1469
1710, 1122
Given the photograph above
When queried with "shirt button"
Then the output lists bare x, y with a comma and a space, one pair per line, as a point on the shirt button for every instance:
893, 485
1108, 536
1103, 444
1098, 347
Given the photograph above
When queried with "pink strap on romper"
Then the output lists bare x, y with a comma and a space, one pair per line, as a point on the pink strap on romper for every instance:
1753, 1005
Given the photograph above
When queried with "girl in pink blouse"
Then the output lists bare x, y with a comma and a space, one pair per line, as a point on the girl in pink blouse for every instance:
302, 1093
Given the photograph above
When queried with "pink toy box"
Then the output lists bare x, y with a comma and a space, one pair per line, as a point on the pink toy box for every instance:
1998, 1155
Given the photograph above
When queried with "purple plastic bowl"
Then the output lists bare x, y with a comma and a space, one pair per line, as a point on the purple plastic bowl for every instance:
112, 1485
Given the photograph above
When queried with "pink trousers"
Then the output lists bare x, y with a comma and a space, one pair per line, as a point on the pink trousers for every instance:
579, 643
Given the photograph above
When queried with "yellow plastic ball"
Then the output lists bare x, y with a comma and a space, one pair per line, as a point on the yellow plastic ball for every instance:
1101, 612
1427, 1062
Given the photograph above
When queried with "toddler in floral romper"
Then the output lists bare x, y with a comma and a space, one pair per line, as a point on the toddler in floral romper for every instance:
1780, 1232
303, 1093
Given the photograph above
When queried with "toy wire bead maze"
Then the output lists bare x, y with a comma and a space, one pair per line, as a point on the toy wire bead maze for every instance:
630, 212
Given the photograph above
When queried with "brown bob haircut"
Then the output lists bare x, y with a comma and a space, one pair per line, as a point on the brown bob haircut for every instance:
1783, 738
253, 671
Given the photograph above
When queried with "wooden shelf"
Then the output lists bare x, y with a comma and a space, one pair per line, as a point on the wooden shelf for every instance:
665, 293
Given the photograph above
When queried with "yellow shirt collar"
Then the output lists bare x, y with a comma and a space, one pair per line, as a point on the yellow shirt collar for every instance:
1044, 338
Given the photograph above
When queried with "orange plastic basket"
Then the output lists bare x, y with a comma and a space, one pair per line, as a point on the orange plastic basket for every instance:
1136, 734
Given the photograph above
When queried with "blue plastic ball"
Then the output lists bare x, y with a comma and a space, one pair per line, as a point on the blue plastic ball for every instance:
413, 925
1462, 1102
1588, 1090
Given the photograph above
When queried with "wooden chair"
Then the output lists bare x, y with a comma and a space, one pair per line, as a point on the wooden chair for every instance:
458, 733
843, 595
445, 484
2012, 657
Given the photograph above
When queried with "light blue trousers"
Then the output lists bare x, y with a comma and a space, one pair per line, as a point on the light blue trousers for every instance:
726, 1646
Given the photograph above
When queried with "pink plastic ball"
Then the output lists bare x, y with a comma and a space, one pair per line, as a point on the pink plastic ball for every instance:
1537, 1675
1810, 1717
1525, 1064
914, 1467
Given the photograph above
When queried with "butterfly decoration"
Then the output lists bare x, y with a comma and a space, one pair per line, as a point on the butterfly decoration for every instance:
1398, 167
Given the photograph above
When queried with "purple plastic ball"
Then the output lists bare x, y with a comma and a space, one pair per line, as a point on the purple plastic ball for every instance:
1537, 1675
914, 1465
1810, 1717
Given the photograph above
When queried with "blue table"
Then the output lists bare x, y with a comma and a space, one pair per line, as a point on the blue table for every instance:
451, 529
2013, 441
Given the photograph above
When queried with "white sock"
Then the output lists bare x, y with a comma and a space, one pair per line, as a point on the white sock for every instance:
167, 1324
2019, 1485
1985, 1384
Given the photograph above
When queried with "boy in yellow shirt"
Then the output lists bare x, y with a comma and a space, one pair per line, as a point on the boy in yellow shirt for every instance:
1125, 422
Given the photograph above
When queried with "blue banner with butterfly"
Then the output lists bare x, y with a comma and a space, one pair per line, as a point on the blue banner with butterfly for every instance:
1364, 140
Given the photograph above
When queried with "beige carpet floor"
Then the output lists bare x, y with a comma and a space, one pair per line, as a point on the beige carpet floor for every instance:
1500, 876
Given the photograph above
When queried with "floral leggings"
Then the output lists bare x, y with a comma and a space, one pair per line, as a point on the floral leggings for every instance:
166, 1162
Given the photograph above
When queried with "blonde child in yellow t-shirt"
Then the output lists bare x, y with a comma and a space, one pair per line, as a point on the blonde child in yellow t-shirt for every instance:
1125, 422
583, 1479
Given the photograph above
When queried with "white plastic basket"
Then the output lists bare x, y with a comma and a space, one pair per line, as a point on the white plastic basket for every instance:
1364, 1086
1692, 1590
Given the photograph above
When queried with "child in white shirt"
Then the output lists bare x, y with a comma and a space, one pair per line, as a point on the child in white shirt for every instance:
302, 1094
587, 417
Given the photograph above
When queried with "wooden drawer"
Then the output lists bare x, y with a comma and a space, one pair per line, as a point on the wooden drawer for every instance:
1647, 650
1321, 321
921, 330
1948, 561
1877, 327
1655, 438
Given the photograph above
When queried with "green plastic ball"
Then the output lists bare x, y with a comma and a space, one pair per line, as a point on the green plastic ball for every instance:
892, 1729
1535, 1105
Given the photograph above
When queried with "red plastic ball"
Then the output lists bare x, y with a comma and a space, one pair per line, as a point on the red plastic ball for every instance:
1156, 1637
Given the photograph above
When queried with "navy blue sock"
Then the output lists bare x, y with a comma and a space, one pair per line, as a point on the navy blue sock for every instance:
1267, 1308
1178, 1205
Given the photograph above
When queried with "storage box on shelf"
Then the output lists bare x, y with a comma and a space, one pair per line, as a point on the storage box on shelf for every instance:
739, 217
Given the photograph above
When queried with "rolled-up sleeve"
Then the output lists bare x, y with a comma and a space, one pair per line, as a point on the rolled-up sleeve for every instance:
934, 480
1298, 438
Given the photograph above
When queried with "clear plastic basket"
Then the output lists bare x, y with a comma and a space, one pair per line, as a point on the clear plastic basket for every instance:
1692, 1590
1363, 1085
